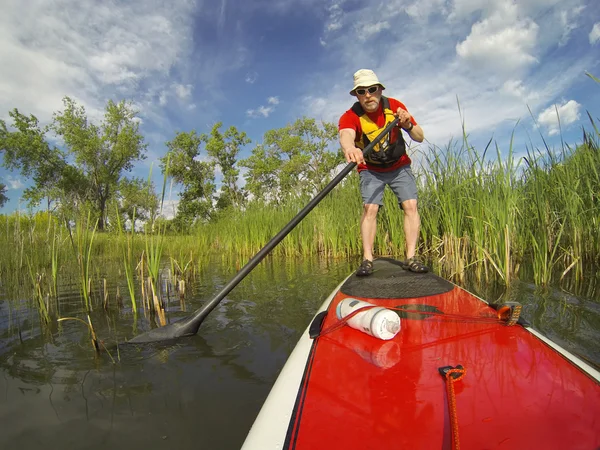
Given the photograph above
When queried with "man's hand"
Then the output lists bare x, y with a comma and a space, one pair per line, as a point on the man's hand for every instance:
354, 154
404, 117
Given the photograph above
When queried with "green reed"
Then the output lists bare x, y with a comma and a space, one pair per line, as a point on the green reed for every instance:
96, 343
54, 234
564, 189
183, 265
331, 229
83, 244
154, 242
127, 243
42, 305
443, 200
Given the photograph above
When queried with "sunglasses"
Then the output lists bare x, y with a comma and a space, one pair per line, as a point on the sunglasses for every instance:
370, 90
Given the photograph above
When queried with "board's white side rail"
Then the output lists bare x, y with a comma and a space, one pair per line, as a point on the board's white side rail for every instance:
270, 427
570, 356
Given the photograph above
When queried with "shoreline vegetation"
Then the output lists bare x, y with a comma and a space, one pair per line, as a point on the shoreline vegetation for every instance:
485, 213
489, 218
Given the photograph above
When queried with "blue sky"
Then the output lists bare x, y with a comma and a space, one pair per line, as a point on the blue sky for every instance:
261, 64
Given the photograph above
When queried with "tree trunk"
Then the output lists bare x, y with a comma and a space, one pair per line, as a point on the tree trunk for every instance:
102, 209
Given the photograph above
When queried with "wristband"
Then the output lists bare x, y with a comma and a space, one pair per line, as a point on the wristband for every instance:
411, 127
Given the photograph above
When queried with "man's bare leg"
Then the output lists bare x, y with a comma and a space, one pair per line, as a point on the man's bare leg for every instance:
368, 228
412, 224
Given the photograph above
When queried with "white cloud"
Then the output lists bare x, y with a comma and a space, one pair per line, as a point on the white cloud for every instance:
514, 87
595, 33
332, 26
162, 98
501, 42
420, 10
462, 9
568, 23
221, 19
467, 9
334, 22
517, 89
324, 108
368, 30
14, 182
183, 91
556, 117
87, 50
263, 111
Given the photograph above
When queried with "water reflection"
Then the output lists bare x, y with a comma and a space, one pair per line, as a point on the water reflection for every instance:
200, 392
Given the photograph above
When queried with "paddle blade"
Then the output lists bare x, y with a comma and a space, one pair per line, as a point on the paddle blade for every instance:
182, 328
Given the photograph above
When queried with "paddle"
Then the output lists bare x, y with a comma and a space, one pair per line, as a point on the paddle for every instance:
188, 326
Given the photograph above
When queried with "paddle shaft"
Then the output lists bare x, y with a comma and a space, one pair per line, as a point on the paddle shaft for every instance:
201, 313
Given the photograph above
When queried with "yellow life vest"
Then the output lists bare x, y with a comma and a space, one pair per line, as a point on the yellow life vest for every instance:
386, 152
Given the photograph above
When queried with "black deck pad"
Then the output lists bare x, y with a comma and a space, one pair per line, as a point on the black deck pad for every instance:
390, 280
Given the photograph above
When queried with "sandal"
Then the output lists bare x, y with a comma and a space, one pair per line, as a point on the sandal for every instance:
366, 268
414, 264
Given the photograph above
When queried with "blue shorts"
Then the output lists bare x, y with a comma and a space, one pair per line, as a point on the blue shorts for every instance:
401, 181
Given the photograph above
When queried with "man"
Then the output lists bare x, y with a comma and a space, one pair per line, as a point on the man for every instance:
387, 165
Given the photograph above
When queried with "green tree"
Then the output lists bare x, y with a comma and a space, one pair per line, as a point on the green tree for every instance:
224, 149
101, 153
321, 144
87, 173
137, 199
195, 176
27, 151
262, 180
293, 161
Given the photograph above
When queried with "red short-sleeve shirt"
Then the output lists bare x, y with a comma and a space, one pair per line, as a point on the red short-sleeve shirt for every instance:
350, 120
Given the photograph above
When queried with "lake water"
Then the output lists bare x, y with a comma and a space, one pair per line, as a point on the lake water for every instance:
205, 391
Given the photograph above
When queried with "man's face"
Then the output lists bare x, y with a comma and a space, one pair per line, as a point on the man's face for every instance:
369, 97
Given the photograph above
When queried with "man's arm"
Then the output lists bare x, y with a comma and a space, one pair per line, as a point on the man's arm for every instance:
406, 122
352, 154
416, 133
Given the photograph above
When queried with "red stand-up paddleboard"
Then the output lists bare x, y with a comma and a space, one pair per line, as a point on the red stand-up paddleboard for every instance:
458, 374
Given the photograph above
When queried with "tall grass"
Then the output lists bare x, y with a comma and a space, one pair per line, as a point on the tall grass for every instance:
127, 242
82, 244
154, 241
54, 236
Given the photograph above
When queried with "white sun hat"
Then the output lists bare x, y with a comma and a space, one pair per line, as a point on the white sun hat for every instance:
365, 78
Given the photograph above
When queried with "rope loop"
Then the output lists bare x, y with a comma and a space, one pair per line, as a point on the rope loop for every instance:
452, 375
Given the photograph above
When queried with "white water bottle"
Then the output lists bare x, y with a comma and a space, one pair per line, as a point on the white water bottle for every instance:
377, 321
